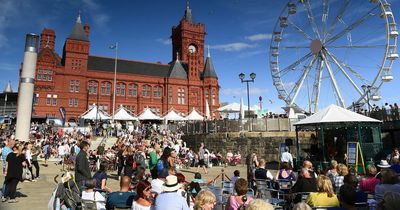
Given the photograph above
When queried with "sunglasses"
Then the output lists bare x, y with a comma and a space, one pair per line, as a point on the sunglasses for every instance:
147, 189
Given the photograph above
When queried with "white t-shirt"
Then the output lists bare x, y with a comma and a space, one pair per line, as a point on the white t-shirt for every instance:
100, 200
61, 150
136, 206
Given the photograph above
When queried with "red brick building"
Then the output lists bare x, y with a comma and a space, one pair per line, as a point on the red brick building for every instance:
77, 79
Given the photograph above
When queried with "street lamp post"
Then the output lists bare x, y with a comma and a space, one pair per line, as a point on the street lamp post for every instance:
252, 77
115, 47
366, 89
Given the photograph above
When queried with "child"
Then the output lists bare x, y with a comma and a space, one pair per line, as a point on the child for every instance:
236, 176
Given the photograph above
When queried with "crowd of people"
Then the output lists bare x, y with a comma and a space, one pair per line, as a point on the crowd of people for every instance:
387, 112
147, 163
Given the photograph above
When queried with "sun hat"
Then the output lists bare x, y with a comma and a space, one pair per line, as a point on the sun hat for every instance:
171, 184
383, 164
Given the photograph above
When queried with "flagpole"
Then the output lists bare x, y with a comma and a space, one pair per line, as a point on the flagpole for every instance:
115, 78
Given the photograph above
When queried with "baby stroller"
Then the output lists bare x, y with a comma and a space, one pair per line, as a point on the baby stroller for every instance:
66, 195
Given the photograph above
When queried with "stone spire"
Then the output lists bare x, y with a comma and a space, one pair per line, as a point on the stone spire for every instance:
8, 88
77, 31
209, 70
188, 14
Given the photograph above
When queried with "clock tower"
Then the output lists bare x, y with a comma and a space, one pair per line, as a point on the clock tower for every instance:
188, 41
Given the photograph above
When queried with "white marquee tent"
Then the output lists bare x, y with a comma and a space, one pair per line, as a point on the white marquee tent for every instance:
122, 114
147, 114
194, 116
95, 114
172, 115
335, 114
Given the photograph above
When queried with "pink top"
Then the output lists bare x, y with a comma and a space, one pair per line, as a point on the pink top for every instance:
234, 204
368, 184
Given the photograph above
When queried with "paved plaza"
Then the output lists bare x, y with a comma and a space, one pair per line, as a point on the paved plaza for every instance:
36, 195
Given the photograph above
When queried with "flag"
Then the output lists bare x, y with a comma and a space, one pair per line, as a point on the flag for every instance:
114, 46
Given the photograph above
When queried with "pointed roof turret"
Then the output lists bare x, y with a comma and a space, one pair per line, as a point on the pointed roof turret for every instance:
177, 71
77, 32
209, 70
8, 88
188, 14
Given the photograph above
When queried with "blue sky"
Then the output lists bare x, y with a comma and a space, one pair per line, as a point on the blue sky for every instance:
238, 31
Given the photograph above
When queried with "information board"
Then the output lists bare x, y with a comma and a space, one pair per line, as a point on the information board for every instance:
352, 153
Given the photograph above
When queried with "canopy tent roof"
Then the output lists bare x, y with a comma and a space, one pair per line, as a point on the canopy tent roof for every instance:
235, 107
172, 115
195, 116
95, 114
335, 114
147, 114
123, 114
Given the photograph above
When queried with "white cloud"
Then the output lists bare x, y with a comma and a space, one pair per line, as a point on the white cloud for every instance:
8, 67
237, 46
252, 53
99, 17
243, 92
258, 37
164, 41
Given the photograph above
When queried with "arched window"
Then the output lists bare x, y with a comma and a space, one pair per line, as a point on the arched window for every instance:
105, 88
146, 91
132, 89
120, 89
157, 91
92, 86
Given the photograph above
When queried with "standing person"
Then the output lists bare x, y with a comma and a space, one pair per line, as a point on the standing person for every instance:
393, 156
7, 150
15, 160
35, 154
154, 156
252, 165
28, 155
128, 155
46, 152
201, 159
286, 157
82, 170
120, 161
4, 153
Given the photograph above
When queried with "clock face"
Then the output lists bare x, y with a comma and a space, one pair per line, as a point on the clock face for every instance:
192, 48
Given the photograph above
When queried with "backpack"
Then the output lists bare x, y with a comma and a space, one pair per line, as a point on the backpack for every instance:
161, 166
140, 160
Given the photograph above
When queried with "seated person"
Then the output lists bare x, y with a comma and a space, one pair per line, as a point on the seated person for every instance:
101, 178
236, 176
122, 198
352, 180
391, 200
325, 196
196, 183
390, 183
305, 183
236, 201
368, 183
261, 172
90, 195
348, 197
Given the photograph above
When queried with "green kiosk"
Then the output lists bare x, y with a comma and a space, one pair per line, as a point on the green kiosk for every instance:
335, 131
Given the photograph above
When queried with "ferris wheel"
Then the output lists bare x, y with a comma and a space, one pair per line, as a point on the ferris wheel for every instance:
326, 51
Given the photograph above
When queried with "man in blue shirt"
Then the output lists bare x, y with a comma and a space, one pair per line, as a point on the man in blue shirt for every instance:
122, 198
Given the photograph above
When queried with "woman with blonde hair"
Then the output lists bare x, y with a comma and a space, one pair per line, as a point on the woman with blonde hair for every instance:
258, 204
205, 200
368, 183
332, 172
325, 196
128, 155
338, 180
